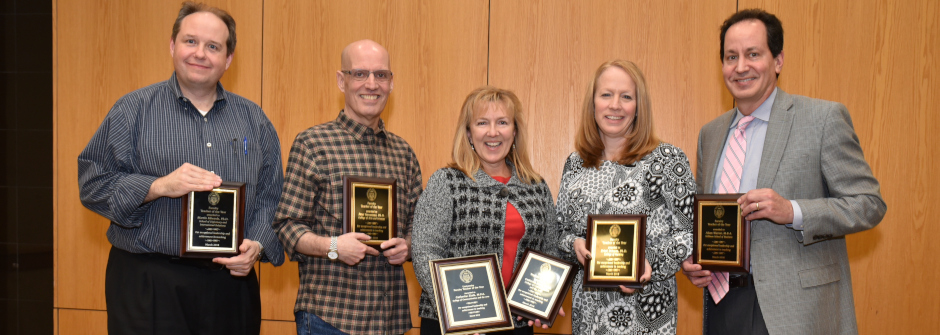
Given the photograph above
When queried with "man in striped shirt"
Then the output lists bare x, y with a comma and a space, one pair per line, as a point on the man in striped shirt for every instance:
159, 143
345, 285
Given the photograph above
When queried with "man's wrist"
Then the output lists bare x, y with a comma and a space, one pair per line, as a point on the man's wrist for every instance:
260, 250
333, 253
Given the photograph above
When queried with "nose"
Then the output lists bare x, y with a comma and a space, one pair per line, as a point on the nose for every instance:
371, 83
741, 66
200, 52
616, 104
492, 131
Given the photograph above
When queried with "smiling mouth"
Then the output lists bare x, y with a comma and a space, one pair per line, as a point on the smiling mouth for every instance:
369, 96
746, 80
615, 118
493, 144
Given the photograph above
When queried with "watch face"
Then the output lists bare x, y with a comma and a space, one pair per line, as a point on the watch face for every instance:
332, 255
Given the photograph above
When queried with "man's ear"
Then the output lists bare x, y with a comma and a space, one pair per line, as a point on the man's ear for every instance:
341, 81
778, 62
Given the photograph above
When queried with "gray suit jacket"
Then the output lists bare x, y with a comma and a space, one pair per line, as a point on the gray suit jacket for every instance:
811, 155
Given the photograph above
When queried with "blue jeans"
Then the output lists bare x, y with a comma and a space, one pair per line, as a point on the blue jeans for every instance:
310, 324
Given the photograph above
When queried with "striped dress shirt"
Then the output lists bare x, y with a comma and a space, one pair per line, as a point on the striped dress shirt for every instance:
370, 297
151, 132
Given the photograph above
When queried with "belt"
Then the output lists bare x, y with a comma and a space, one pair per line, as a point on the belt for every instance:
203, 263
739, 280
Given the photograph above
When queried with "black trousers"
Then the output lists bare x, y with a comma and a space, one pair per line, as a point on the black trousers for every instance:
737, 313
433, 327
159, 294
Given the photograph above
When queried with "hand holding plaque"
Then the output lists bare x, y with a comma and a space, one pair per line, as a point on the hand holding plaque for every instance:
539, 285
213, 222
369, 208
721, 238
469, 296
618, 250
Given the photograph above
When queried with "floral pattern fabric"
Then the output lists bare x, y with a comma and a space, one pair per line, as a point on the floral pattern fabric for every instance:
661, 186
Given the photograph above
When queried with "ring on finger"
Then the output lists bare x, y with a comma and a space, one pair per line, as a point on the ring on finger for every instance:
758, 207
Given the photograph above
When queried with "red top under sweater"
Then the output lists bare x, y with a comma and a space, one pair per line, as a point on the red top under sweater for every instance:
511, 236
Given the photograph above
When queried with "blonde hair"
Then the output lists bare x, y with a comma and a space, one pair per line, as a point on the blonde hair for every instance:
641, 139
466, 159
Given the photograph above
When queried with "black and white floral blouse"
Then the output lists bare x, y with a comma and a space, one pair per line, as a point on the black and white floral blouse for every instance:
661, 186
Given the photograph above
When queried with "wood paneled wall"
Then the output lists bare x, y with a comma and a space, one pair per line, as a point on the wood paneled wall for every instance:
873, 56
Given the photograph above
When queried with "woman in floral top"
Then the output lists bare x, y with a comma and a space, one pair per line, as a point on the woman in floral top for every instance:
620, 167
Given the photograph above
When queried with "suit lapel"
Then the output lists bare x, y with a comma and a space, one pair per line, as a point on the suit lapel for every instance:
716, 144
775, 142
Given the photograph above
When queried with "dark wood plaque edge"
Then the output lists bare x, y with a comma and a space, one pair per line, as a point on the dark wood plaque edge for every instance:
744, 252
446, 328
553, 311
639, 267
393, 213
184, 223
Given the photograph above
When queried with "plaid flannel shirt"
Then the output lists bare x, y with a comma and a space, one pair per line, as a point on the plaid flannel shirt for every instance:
372, 296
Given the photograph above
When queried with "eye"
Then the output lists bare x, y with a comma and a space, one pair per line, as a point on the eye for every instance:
733, 57
380, 74
190, 41
360, 73
213, 47
605, 95
481, 123
504, 122
627, 97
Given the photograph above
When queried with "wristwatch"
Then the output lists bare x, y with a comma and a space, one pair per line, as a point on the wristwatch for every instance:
260, 252
332, 254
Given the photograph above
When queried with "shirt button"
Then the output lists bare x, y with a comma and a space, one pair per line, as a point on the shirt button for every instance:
205, 119
209, 145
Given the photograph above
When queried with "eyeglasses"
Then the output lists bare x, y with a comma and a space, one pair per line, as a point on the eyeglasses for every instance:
382, 76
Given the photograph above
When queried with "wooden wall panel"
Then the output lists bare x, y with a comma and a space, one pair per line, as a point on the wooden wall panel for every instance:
547, 53
873, 56
106, 49
879, 59
81, 322
438, 55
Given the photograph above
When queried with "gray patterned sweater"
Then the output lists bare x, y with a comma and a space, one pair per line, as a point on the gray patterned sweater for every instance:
457, 217
660, 185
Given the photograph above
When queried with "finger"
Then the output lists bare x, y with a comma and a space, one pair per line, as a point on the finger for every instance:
371, 251
222, 260
626, 290
362, 237
561, 311
394, 252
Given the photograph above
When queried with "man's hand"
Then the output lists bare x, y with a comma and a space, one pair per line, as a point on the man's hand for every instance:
241, 265
766, 204
700, 278
185, 179
351, 250
397, 250
645, 278
580, 249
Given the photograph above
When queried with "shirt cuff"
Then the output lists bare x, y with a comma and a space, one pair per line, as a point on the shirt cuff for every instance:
797, 216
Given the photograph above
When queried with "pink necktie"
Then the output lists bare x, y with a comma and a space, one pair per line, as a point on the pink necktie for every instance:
731, 172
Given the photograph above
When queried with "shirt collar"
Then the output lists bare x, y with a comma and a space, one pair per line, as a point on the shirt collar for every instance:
485, 179
761, 113
174, 84
361, 132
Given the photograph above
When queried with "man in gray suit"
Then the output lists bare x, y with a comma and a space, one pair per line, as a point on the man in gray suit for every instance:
806, 185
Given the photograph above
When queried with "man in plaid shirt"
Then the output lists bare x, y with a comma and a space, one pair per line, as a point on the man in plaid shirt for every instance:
345, 285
